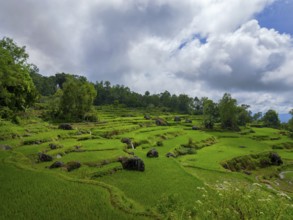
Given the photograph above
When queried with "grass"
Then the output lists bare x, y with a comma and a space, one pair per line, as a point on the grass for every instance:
27, 194
168, 188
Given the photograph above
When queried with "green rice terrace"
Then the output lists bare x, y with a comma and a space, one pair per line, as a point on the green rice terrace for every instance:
133, 164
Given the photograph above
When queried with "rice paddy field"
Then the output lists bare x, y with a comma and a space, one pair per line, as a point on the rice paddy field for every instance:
191, 185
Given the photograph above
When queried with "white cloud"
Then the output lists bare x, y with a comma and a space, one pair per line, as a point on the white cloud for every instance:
199, 47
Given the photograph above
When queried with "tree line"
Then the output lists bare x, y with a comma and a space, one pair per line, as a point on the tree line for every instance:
72, 97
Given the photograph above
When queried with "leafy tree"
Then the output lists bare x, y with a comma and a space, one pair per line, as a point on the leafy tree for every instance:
271, 119
210, 113
198, 105
257, 116
17, 91
243, 115
165, 99
185, 104
74, 100
290, 122
46, 86
228, 112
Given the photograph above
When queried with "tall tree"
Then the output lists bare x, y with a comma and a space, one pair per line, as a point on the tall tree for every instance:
74, 100
228, 112
271, 119
210, 113
243, 115
290, 122
17, 91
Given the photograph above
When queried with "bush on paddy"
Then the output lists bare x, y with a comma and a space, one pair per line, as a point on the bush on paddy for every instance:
110, 134
253, 161
277, 147
91, 117
184, 151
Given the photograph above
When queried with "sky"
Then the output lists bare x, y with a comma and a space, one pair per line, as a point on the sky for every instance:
196, 47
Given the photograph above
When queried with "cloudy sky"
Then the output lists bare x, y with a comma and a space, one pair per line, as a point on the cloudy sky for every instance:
196, 47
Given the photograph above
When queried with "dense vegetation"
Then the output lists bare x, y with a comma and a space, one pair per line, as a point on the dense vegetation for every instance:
197, 159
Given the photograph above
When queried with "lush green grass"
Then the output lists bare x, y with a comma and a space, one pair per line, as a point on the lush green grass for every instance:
26, 194
168, 188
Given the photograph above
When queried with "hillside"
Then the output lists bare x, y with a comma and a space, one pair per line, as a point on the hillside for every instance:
192, 184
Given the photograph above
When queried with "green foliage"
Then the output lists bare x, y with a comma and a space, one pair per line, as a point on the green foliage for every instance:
271, 119
171, 186
74, 101
290, 122
210, 112
17, 91
46, 86
243, 115
230, 201
228, 112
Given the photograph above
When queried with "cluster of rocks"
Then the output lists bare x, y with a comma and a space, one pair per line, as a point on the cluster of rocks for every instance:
69, 166
72, 165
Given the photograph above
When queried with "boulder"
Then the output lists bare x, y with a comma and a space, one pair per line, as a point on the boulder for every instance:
188, 121
276, 159
177, 118
134, 163
65, 126
170, 155
45, 157
161, 122
56, 164
53, 146
72, 165
152, 153
194, 127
